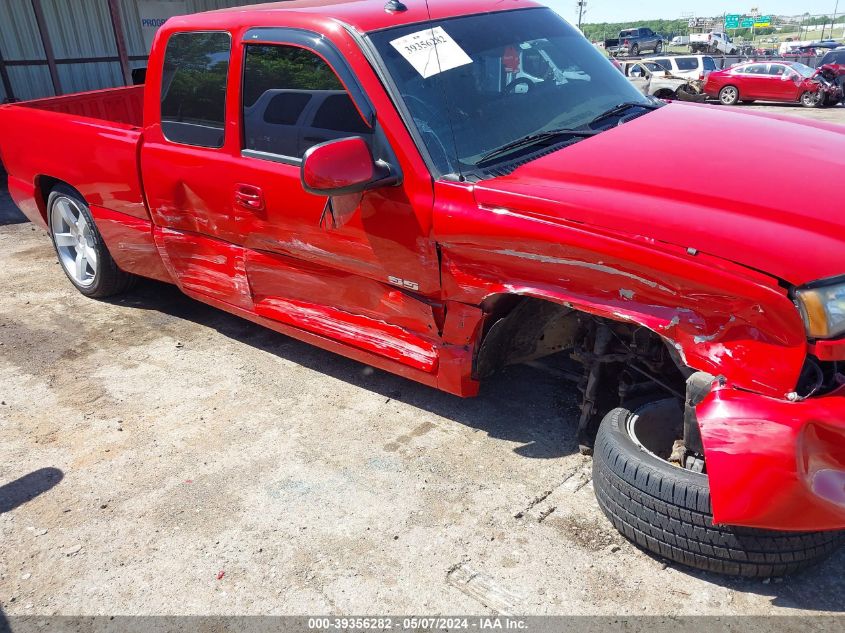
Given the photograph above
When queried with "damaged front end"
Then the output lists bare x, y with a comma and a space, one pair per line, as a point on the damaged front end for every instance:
766, 458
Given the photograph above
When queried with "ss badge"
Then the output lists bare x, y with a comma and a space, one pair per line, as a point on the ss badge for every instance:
410, 285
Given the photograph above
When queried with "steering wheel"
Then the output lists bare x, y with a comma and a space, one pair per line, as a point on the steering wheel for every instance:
522, 81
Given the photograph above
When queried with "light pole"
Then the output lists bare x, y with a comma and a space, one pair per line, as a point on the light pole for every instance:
582, 4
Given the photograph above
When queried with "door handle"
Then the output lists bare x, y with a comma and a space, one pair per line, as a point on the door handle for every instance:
249, 197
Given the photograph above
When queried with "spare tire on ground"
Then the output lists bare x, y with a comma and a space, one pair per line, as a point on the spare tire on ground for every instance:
666, 510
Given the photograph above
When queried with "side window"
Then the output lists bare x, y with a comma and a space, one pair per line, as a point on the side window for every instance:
193, 88
777, 69
687, 63
664, 63
293, 100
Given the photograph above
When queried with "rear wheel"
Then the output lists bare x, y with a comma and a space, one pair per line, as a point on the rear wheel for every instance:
666, 510
658, 48
729, 95
80, 247
635, 50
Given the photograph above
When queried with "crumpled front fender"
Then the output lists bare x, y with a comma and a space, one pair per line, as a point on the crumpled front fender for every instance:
775, 464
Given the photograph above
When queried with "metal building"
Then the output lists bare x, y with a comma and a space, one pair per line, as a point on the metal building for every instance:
53, 47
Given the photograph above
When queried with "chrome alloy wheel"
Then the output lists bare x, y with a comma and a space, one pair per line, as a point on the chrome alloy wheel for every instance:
729, 95
74, 240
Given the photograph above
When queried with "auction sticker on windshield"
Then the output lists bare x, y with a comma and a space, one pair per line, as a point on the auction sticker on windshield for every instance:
431, 51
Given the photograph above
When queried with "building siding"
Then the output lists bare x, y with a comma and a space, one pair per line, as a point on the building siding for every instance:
79, 30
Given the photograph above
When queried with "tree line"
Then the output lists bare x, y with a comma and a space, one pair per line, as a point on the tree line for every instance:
670, 28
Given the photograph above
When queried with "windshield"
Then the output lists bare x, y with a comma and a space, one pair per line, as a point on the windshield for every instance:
477, 83
803, 70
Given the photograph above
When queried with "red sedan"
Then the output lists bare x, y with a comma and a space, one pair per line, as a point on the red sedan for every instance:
789, 82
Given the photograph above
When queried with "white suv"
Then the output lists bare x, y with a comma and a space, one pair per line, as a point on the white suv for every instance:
687, 66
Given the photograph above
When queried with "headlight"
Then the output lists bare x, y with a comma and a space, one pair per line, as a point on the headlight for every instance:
823, 310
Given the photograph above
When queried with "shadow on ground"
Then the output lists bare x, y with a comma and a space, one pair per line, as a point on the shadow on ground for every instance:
522, 404
26, 488
9, 213
818, 588
525, 405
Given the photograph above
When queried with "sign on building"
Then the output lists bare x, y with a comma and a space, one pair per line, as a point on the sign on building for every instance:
154, 13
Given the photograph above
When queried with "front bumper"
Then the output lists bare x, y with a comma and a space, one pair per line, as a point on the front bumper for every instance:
775, 464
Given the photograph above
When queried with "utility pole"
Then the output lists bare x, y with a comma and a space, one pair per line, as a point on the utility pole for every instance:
582, 4
833, 21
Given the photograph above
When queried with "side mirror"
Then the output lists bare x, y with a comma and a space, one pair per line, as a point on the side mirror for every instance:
344, 166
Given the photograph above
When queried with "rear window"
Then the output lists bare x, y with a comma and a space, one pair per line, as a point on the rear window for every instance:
338, 113
193, 88
687, 63
286, 107
628, 34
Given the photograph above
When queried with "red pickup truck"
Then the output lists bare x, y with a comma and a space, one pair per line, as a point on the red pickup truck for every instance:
385, 182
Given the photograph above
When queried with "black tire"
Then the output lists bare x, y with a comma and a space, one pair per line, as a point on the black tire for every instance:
810, 100
635, 50
666, 510
108, 278
658, 48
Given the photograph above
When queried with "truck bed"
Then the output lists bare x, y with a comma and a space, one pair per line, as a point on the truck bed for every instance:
117, 105
90, 140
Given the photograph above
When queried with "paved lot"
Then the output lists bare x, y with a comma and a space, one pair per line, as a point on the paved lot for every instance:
162, 457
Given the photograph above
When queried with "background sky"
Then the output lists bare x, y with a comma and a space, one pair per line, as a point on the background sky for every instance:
619, 11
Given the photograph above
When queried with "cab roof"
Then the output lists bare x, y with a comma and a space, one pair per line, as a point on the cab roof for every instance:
362, 15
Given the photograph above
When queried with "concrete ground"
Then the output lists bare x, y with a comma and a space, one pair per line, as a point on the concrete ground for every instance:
162, 457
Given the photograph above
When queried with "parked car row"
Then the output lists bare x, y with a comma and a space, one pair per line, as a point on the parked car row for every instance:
782, 81
654, 80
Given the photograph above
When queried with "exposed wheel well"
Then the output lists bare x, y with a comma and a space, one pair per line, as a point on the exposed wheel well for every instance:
612, 361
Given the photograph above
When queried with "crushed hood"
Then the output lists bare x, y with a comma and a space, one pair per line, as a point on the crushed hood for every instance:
760, 190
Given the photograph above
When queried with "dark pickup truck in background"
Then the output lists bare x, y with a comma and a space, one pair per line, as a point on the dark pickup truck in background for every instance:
634, 42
